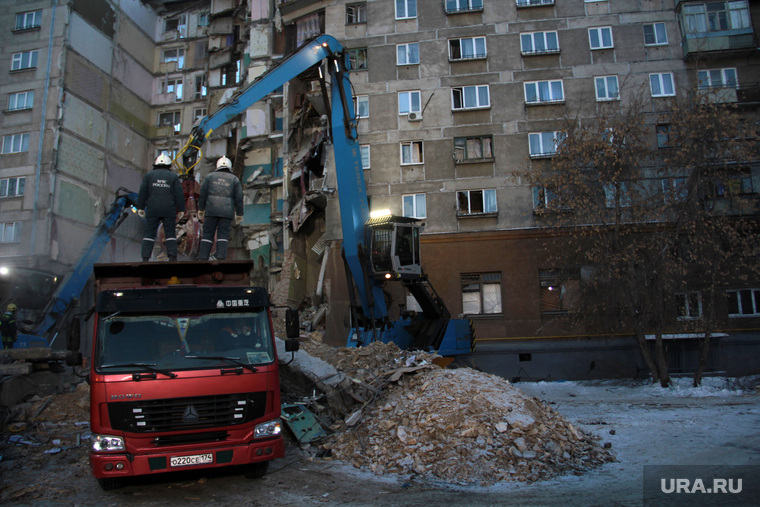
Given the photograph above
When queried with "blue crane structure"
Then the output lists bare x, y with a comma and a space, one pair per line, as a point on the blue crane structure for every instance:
376, 250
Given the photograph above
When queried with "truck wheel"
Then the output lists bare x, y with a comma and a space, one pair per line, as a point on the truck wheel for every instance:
256, 471
110, 483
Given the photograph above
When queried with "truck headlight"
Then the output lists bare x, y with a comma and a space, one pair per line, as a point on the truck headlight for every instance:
102, 443
268, 429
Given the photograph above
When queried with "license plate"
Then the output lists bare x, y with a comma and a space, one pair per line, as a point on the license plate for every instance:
197, 459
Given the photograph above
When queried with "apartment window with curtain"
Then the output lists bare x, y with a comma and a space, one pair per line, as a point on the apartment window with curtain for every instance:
481, 293
414, 205
24, 60
467, 48
471, 149
412, 153
28, 20
476, 202
408, 54
20, 100
357, 58
12, 187
539, 43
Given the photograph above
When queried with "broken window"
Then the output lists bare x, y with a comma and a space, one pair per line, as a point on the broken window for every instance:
172, 85
560, 290
178, 24
356, 13
476, 202
481, 293
411, 153
472, 148
689, 305
175, 55
201, 89
170, 119
357, 58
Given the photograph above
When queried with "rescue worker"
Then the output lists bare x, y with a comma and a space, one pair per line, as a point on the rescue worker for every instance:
8, 326
220, 202
160, 201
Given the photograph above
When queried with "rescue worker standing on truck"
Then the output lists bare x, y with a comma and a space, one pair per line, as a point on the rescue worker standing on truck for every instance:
220, 201
8, 326
160, 201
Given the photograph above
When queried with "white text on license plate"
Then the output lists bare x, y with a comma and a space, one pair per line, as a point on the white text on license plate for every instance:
197, 459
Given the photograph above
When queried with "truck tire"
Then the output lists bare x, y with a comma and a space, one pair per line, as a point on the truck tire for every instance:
110, 483
256, 470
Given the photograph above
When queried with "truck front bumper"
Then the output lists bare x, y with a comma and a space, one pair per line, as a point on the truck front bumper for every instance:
123, 464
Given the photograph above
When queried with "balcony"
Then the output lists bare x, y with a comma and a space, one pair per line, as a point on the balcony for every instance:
718, 43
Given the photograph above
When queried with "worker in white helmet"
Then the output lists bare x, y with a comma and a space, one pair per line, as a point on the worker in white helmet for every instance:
160, 201
220, 202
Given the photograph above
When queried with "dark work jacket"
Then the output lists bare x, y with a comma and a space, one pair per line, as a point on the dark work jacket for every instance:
8, 324
221, 195
161, 193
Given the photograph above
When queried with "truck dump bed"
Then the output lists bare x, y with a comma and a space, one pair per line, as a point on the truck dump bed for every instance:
146, 274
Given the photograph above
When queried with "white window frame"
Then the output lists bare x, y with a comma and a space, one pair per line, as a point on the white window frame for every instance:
468, 47
24, 60
481, 290
176, 120
610, 195
201, 86
660, 37
199, 112
172, 85
488, 198
174, 55
361, 106
542, 38
555, 137
686, 303
603, 93
26, 24
15, 143
455, 6
181, 22
409, 102
20, 100
18, 184
711, 79
659, 76
752, 295
406, 9
356, 13
408, 54
600, 31
533, 3
10, 232
465, 95
549, 91
414, 205
696, 20
467, 146
410, 151
364, 153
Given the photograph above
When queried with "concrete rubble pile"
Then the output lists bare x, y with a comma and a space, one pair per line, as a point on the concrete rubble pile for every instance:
456, 425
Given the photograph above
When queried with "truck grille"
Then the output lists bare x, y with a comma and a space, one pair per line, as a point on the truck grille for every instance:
180, 414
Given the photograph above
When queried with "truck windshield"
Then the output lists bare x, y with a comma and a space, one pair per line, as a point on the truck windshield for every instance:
180, 342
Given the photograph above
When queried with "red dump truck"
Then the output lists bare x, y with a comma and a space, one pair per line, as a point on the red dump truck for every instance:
184, 371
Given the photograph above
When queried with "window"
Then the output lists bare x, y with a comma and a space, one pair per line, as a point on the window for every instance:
606, 88
560, 290
472, 148
476, 202
28, 20
539, 43
481, 293
662, 85
600, 38
533, 3
544, 144
454, 6
356, 13
737, 184
20, 100
470, 97
198, 112
407, 54
674, 189
689, 305
364, 152
201, 89
170, 119
467, 48
172, 85
231, 73
16, 143
716, 78
716, 16
361, 106
414, 205
546, 199
171, 152
12, 187
411, 153
203, 18
655, 34
178, 23
663, 135
357, 58
743, 302
611, 195
24, 60
409, 102
544, 92
406, 9
10, 232
175, 55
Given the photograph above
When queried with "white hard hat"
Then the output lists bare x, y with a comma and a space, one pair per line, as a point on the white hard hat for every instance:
163, 159
223, 163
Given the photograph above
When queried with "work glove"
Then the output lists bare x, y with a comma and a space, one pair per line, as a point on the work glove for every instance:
238, 219
141, 212
201, 214
180, 215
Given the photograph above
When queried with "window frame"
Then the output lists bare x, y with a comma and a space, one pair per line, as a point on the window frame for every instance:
550, 280
479, 281
179, 57
545, 42
599, 30
490, 204
16, 238
674, 189
660, 83
462, 41
406, 51
460, 92
462, 145
754, 294
723, 77
606, 97
412, 148
533, 3
17, 60
662, 132
176, 119
684, 303
414, 200
408, 6
13, 139
695, 19
365, 152
469, 7
36, 22
655, 35
354, 54
415, 106
28, 100
361, 103
557, 137
550, 89
19, 182
359, 16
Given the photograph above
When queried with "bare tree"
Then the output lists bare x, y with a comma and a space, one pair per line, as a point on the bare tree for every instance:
659, 220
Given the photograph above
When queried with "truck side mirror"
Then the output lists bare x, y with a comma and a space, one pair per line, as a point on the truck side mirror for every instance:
292, 345
292, 324
74, 336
